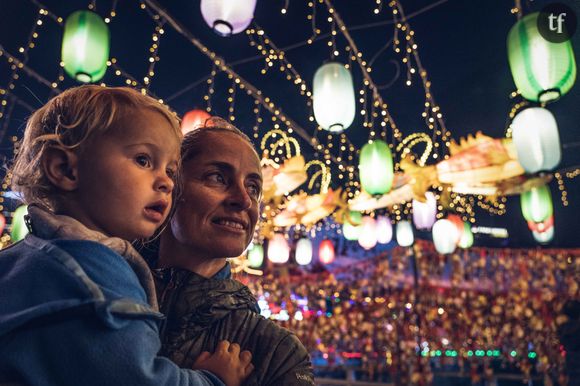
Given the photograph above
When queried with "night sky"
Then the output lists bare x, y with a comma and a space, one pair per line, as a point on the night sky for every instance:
462, 45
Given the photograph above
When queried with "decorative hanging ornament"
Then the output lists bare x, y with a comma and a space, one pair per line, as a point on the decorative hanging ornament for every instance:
19, 228
351, 229
384, 230
256, 255
404, 234
458, 222
278, 249
194, 119
424, 213
536, 204
85, 46
376, 168
304, 251
333, 97
543, 71
368, 233
466, 240
445, 236
326, 252
228, 17
535, 134
2, 223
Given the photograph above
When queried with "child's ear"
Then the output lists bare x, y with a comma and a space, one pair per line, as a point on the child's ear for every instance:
61, 167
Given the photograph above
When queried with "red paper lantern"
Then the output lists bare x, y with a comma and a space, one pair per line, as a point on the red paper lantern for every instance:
194, 119
326, 252
458, 222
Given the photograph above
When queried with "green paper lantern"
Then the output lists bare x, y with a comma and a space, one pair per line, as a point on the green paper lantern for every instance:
85, 46
542, 70
256, 256
537, 204
351, 229
19, 228
376, 168
466, 240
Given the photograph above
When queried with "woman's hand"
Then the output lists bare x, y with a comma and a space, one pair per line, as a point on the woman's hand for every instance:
227, 362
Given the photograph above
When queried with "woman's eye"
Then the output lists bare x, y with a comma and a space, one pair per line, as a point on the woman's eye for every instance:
143, 160
216, 177
254, 190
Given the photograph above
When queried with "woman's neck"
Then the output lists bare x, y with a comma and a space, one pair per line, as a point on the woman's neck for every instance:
174, 254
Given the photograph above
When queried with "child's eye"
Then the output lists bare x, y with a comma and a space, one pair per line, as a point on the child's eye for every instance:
171, 173
143, 160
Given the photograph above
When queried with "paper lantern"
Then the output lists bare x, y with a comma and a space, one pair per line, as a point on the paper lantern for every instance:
444, 236
541, 226
351, 229
368, 233
535, 134
228, 17
256, 255
424, 213
304, 251
466, 240
333, 97
194, 119
458, 222
19, 228
85, 46
404, 234
376, 168
544, 237
2, 223
384, 230
542, 70
278, 249
536, 204
326, 252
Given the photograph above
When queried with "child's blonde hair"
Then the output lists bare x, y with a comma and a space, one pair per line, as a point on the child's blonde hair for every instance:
70, 120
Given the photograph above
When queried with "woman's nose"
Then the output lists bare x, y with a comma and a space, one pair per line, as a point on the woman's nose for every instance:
239, 197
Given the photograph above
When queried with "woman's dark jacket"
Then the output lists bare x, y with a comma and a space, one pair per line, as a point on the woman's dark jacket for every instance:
201, 312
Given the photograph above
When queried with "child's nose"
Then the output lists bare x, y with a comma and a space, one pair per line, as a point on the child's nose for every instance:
164, 183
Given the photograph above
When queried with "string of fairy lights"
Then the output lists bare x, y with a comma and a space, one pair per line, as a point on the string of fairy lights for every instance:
331, 147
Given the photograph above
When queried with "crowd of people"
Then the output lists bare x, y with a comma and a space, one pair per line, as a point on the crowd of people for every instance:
506, 303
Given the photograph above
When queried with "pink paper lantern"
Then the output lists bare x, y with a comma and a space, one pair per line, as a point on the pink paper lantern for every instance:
384, 230
228, 17
326, 252
368, 233
424, 213
278, 249
194, 119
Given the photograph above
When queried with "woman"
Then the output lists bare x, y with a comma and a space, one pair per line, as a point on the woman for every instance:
215, 218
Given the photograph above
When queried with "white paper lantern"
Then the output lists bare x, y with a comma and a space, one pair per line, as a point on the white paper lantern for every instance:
535, 134
368, 233
444, 236
278, 249
404, 234
255, 255
304, 251
333, 95
384, 230
544, 237
228, 17
424, 213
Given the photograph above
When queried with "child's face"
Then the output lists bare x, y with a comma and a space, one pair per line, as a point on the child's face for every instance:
125, 177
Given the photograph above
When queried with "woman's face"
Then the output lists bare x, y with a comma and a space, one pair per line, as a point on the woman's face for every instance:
219, 207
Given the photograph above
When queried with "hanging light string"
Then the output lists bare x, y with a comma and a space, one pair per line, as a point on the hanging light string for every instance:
356, 54
210, 89
15, 66
432, 112
562, 189
251, 90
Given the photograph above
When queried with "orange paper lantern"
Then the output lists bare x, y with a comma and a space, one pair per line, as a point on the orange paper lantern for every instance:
194, 119
326, 252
